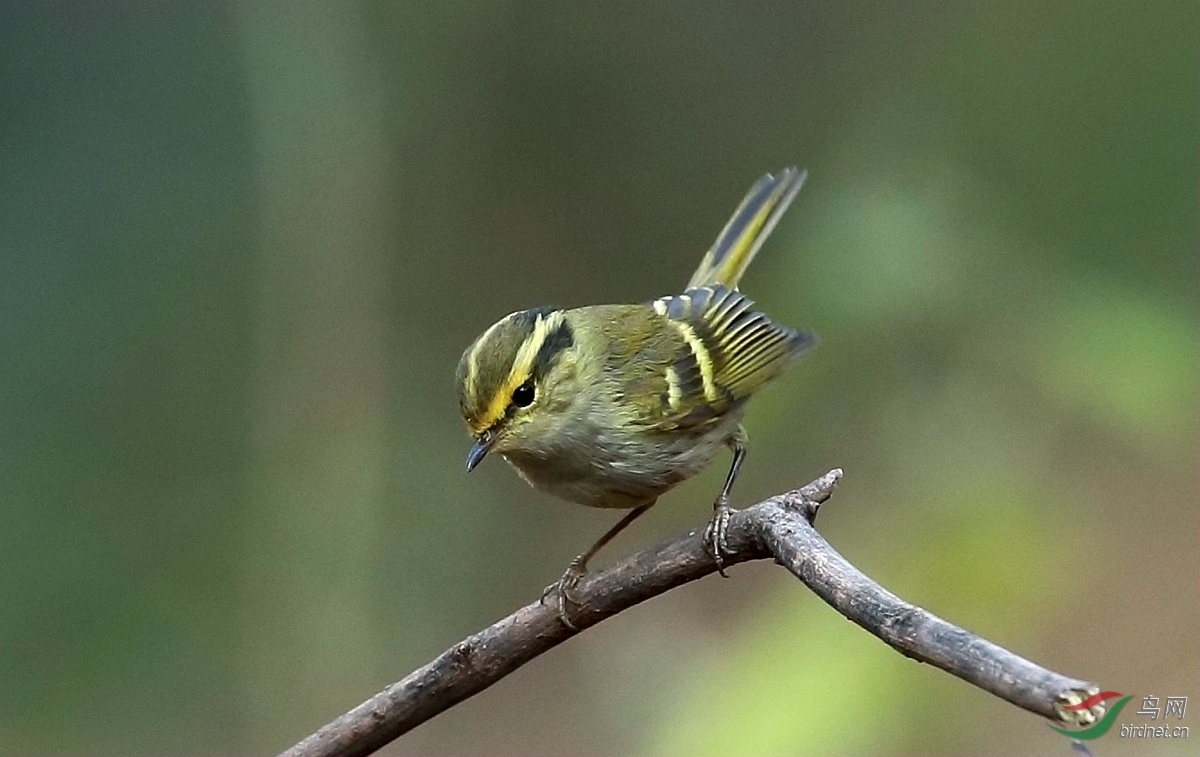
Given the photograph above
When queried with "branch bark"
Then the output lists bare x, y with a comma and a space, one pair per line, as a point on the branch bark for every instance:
780, 528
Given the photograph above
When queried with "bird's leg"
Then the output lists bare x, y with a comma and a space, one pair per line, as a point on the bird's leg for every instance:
714, 535
565, 586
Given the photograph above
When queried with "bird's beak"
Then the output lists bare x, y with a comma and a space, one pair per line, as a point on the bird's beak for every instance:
482, 444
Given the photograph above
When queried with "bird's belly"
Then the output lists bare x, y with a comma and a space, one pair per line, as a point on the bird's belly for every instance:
628, 473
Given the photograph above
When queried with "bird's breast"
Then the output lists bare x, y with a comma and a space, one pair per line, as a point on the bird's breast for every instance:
624, 469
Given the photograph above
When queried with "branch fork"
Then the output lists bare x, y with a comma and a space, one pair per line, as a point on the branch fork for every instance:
780, 528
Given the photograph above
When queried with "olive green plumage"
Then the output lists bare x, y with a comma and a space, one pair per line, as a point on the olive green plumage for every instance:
612, 405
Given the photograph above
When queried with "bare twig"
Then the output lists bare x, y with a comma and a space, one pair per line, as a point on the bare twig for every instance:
781, 528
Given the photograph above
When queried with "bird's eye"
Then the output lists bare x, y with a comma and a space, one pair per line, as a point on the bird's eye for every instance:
522, 396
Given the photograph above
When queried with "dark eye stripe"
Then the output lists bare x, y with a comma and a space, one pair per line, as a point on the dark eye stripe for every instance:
561, 338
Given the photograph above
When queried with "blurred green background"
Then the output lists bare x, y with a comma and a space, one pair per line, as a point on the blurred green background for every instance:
243, 244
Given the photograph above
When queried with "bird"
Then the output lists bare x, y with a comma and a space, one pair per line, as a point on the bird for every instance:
613, 405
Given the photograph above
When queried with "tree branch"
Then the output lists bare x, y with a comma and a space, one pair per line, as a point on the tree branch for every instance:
781, 528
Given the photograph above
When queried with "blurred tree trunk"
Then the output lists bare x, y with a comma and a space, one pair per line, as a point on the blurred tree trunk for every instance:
317, 447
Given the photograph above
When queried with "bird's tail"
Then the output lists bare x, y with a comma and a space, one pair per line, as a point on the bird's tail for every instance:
752, 222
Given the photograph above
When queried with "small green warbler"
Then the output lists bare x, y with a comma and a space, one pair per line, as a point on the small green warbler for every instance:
612, 405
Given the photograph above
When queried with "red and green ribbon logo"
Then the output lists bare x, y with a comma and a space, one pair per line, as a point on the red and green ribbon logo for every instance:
1101, 726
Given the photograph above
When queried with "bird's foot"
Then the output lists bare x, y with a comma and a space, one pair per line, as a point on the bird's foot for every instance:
714, 534
564, 588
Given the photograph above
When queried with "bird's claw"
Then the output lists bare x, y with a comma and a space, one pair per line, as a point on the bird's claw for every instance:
565, 589
715, 534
